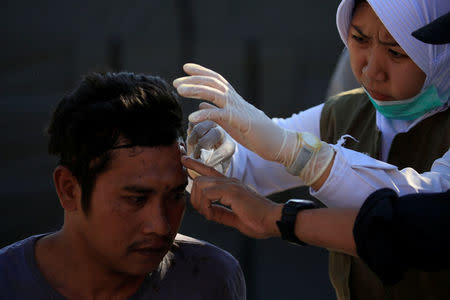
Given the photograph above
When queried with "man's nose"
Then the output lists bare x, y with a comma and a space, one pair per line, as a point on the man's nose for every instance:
155, 219
374, 69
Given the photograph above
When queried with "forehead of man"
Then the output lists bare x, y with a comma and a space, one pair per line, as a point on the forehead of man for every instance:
159, 167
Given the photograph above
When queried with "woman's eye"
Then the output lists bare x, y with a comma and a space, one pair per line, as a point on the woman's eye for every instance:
396, 54
358, 39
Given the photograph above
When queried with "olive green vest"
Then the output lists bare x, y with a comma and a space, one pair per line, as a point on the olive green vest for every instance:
352, 113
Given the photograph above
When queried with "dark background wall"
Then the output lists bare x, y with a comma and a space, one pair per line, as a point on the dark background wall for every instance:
277, 54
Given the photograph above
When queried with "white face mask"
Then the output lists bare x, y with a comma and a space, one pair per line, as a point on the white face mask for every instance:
409, 109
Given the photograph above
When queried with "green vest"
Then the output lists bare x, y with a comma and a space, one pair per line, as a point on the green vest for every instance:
352, 113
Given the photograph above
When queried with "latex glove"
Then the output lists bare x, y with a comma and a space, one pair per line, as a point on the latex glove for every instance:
211, 144
246, 210
245, 123
251, 127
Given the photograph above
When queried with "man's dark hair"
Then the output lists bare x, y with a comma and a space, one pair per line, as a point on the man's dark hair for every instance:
107, 111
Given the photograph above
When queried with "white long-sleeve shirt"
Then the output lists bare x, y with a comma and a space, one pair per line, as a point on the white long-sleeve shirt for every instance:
354, 176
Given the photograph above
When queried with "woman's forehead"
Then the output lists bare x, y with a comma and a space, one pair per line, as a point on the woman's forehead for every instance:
367, 22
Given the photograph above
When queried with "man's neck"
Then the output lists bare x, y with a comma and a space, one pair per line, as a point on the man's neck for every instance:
77, 276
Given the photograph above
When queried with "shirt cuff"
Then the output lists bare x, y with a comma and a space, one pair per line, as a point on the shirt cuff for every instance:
351, 169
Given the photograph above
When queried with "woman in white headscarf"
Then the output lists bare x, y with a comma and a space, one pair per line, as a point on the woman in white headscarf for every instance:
400, 116
392, 119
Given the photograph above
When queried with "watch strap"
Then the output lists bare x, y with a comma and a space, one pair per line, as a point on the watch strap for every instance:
288, 217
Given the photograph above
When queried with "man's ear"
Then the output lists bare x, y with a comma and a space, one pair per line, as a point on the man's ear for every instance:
67, 187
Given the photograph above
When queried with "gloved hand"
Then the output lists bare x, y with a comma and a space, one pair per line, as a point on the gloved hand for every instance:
250, 126
211, 144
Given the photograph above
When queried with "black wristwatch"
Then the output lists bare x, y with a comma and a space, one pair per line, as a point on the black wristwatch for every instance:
289, 214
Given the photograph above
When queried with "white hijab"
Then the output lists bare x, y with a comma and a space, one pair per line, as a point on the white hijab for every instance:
401, 18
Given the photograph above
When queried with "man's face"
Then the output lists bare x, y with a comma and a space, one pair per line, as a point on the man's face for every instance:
378, 62
136, 209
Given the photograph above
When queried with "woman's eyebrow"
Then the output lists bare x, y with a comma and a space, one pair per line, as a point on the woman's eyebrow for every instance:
359, 31
392, 44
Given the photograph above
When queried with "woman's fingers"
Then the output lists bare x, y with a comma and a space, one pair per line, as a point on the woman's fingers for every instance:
195, 69
197, 131
206, 105
213, 114
224, 151
201, 80
202, 92
211, 140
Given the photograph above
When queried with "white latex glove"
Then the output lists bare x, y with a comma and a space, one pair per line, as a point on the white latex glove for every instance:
211, 144
245, 123
250, 126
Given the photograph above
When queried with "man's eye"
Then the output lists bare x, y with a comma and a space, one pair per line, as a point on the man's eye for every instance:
358, 39
396, 54
136, 200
